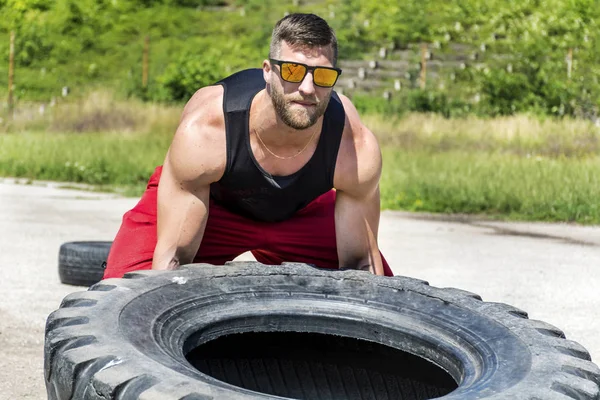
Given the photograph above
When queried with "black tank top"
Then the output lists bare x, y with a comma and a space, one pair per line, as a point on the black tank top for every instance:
249, 190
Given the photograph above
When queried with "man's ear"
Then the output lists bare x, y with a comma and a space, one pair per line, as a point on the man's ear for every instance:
266, 71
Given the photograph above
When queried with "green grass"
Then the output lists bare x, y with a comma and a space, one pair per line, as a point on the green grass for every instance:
499, 185
112, 161
520, 135
496, 184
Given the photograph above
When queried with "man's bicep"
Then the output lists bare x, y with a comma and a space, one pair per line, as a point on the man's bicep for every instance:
189, 168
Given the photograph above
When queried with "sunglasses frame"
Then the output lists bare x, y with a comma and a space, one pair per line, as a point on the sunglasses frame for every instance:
308, 69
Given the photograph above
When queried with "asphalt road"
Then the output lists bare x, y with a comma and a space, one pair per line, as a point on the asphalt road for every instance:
551, 271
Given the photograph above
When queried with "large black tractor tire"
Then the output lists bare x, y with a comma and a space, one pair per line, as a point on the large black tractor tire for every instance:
250, 331
82, 263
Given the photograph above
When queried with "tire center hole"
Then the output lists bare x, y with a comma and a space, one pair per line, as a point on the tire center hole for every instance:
319, 366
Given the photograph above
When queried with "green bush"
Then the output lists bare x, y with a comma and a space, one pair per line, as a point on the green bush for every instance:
506, 93
428, 101
87, 43
187, 74
378, 105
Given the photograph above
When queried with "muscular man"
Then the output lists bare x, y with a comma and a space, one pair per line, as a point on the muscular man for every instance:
268, 160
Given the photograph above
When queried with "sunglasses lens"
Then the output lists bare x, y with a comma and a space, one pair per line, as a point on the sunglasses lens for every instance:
325, 77
292, 72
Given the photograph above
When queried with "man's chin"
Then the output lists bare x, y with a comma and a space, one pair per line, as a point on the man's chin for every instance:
299, 125
299, 121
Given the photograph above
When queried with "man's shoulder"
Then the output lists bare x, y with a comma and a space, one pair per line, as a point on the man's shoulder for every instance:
202, 120
356, 134
197, 152
205, 107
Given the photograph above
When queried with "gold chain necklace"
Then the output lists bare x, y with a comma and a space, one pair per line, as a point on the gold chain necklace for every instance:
290, 157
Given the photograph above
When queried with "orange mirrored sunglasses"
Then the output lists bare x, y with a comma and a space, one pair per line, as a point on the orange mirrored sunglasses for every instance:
295, 72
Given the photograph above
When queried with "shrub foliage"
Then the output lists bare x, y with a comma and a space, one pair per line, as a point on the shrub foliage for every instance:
86, 44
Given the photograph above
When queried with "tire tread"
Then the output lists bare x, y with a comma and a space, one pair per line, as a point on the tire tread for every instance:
573, 374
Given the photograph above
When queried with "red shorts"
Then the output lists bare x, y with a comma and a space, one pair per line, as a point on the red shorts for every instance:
307, 237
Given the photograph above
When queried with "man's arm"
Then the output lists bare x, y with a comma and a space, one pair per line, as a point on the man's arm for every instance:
195, 159
357, 206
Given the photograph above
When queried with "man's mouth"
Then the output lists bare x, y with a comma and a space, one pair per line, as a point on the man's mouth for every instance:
304, 103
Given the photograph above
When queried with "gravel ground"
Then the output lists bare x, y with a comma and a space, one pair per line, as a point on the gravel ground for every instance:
550, 270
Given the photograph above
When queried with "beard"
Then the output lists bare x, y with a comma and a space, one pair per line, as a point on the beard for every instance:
296, 116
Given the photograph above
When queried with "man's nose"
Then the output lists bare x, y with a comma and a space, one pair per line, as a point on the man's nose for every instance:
307, 86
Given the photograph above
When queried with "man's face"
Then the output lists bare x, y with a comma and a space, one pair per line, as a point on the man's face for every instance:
300, 105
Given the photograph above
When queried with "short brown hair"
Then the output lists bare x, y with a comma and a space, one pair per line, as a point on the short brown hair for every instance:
303, 30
